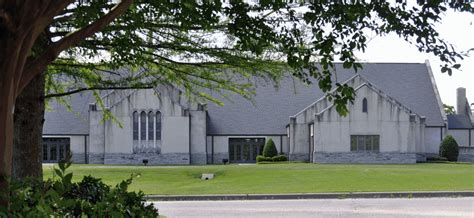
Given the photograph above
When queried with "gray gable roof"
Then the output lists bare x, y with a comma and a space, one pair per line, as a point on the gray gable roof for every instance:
60, 121
459, 121
408, 83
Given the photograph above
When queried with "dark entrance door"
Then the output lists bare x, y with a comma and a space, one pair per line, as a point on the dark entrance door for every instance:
55, 149
245, 150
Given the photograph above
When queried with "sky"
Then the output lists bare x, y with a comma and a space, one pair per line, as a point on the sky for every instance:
456, 28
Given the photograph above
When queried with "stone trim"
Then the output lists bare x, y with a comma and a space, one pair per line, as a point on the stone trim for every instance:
299, 157
219, 156
365, 157
78, 158
198, 158
96, 158
153, 159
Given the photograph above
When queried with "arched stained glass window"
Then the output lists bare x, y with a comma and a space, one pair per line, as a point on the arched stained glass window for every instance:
364, 105
135, 125
151, 119
143, 125
158, 125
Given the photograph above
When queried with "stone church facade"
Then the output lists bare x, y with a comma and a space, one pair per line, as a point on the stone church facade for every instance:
396, 117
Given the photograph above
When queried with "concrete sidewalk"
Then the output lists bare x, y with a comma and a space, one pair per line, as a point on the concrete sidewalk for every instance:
426, 194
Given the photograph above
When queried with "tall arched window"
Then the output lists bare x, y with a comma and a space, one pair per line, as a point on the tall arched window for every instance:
151, 119
135, 125
158, 125
143, 125
364, 105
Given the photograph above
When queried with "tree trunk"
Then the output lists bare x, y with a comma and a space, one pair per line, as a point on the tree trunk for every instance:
7, 94
28, 131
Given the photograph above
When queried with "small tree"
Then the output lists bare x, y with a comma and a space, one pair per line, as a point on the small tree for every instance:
449, 148
270, 150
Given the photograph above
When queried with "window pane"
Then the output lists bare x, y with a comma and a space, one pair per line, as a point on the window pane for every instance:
368, 143
364, 105
360, 143
135, 125
53, 152
143, 125
353, 143
45, 152
376, 143
158, 125
151, 118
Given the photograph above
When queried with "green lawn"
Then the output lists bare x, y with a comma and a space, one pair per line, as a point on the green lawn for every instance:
284, 178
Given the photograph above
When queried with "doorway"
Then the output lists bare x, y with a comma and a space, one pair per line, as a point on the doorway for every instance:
55, 149
245, 150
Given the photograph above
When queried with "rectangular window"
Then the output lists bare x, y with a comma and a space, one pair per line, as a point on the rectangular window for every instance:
365, 143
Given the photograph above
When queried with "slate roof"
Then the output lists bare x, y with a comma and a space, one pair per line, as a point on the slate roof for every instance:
459, 121
408, 83
60, 121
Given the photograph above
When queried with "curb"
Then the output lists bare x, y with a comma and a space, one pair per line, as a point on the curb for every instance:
310, 196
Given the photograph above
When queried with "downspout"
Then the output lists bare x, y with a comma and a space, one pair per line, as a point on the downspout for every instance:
281, 144
212, 149
189, 137
86, 160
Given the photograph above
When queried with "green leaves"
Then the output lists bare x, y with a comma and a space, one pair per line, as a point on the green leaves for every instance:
89, 197
208, 46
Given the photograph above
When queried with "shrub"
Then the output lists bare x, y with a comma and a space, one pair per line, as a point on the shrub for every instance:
279, 158
87, 198
269, 150
449, 148
261, 158
436, 158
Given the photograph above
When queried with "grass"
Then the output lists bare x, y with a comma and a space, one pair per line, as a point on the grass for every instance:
284, 178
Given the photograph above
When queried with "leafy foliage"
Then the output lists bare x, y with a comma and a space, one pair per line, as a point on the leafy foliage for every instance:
261, 158
279, 158
203, 46
64, 198
449, 110
269, 150
449, 148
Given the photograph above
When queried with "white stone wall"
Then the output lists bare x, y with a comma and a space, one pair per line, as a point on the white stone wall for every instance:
432, 140
115, 138
461, 136
392, 123
198, 137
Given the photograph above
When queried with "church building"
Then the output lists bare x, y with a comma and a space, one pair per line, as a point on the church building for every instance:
397, 117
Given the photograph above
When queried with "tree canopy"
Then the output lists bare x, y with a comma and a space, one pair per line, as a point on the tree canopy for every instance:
198, 45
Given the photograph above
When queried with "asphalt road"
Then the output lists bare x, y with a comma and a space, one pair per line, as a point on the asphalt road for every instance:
419, 207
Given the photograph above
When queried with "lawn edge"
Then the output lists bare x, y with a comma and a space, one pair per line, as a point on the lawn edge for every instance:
342, 195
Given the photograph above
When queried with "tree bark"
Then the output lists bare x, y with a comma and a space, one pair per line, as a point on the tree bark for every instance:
28, 131
6, 137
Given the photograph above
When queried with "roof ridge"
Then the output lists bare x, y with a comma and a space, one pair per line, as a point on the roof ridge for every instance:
381, 93
324, 97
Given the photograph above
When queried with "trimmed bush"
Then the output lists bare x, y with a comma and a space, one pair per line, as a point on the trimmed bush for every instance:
279, 158
436, 158
261, 158
449, 148
269, 150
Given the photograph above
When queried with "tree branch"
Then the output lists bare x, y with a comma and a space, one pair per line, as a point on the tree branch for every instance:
6, 20
37, 66
55, 95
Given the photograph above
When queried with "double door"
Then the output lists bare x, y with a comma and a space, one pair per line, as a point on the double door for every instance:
245, 150
55, 149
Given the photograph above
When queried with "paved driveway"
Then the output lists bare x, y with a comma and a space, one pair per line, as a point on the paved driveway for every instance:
419, 207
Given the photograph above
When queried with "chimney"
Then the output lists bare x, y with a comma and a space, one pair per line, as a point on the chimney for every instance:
461, 101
